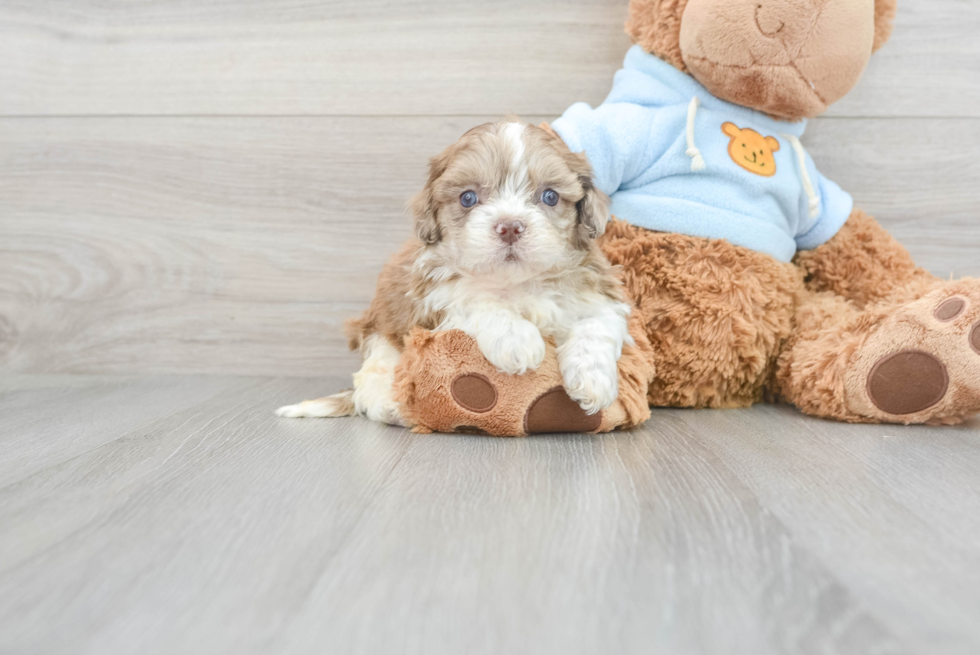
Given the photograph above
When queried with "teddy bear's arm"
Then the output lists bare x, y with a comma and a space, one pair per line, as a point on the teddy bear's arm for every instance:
615, 138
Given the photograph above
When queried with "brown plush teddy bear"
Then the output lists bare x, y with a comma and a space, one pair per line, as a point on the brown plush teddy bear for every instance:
753, 277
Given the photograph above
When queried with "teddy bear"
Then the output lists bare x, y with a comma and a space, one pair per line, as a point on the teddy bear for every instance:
753, 277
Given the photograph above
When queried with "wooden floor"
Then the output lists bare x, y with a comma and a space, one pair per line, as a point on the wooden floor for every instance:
178, 515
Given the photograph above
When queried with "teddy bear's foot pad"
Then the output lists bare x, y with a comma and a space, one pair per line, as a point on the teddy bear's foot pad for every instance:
908, 382
474, 392
923, 362
554, 411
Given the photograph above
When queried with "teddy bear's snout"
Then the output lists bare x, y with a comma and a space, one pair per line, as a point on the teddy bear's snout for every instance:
788, 59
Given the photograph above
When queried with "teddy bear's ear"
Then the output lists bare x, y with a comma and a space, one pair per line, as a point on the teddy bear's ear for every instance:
655, 25
884, 21
773, 143
546, 126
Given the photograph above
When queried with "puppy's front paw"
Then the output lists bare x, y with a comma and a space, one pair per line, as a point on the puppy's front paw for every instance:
515, 351
591, 378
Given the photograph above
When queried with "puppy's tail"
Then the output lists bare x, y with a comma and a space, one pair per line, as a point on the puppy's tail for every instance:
339, 404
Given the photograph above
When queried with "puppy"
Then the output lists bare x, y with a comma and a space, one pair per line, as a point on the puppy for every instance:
505, 251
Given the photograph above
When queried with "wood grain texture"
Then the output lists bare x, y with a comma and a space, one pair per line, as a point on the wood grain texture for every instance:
851, 483
265, 231
930, 67
347, 57
239, 245
83, 414
418, 57
920, 178
218, 528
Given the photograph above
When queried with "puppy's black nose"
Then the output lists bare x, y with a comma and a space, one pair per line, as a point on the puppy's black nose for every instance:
509, 231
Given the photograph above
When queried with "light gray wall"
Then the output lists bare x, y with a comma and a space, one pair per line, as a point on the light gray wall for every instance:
203, 186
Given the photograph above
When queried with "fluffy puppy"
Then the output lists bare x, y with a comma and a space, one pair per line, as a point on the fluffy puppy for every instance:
504, 251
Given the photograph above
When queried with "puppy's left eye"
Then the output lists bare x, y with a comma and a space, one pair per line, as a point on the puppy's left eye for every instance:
468, 199
550, 197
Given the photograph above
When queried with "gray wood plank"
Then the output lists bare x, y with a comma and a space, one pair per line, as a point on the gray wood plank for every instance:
930, 66
222, 529
239, 245
346, 57
920, 178
627, 543
44, 425
847, 490
334, 477
419, 57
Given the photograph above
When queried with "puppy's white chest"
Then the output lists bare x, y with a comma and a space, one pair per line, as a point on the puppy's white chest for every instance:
544, 305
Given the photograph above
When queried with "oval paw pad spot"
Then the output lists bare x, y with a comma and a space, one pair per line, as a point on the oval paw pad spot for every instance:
474, 392
554, 411
907, 382
950, 309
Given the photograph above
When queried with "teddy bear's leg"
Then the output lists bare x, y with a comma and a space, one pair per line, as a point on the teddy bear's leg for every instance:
913, 362
716, 314
865, 264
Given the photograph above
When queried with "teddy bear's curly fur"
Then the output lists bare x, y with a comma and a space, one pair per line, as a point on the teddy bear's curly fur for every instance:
852, 330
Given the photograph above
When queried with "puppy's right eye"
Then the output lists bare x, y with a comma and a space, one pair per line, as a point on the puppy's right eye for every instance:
468, 199
550, 197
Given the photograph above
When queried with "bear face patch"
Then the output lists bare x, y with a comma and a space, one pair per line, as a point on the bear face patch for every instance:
751, 150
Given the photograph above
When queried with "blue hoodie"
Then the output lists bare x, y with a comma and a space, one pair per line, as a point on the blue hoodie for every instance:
674, 158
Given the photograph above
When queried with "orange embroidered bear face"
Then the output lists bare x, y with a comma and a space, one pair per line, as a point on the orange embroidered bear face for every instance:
751, 150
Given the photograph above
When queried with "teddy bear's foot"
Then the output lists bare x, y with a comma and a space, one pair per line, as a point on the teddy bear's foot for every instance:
551, 411
922, 363
444, 384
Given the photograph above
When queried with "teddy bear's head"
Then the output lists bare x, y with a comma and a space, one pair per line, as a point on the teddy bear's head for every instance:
788, 58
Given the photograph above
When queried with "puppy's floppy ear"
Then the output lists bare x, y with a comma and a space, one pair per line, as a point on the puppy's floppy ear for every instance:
593, 209
423, 206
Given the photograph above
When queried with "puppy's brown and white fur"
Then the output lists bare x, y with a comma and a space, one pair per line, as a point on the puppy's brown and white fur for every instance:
518, 266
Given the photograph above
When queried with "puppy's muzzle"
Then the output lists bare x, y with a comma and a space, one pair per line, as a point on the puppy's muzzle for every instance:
509, 231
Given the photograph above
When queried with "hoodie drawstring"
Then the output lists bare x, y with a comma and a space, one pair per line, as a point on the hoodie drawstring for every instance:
805, 176
697, 161
698, 165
